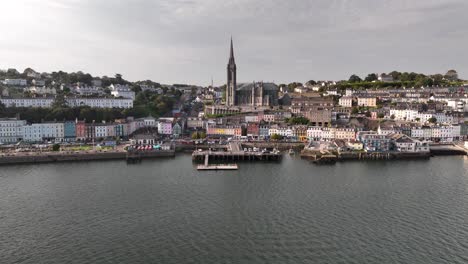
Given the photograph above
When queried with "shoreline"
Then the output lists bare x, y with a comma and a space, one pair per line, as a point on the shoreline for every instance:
55, 157
59, 157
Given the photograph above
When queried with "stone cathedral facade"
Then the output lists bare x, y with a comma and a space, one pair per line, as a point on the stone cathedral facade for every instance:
248, 94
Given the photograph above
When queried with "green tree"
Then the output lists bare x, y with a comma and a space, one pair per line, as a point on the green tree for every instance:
276, 137
299, 120
354, 78
380, 115
355, 111
59, 101
371, 77
432, 120
56, 147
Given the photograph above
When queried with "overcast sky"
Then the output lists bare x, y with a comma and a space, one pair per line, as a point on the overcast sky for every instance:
187, 41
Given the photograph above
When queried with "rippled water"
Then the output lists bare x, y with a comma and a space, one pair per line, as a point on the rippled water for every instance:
164, 211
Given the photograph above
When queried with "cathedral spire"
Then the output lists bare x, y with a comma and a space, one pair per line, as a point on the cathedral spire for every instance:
231, 55
231, 79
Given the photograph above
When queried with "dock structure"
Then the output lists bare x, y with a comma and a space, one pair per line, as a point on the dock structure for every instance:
235, 153
138, 156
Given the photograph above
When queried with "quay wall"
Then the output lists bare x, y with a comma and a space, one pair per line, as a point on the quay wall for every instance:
348, 156
59, 157
67, 157
277, 145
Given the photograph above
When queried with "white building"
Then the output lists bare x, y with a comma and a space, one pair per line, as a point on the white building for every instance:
16, 82
38, 82
101, 102
11, 130
32, 133
164, 127
123, 91
385, 77
458, 105
87, 90
43, 131
368, 101
28, 102
101, 131
403, 143
41, 90
404, 114
150, 122
314, 133
346, 101
72, 102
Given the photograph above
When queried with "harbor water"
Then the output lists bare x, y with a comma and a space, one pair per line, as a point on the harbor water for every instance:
165, 211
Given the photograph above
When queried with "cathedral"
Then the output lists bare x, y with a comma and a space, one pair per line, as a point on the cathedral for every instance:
248, 94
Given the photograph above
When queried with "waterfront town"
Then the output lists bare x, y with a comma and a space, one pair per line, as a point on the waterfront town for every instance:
383, 115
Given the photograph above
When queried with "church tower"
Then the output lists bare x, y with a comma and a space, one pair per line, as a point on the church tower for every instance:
231, 79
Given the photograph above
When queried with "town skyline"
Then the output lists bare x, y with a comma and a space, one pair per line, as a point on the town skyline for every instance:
189, 41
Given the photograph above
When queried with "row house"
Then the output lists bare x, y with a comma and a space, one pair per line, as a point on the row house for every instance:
263, 131
422, 117
315, 133
11, 130
300, 132
438, 133
345, 133
176, 130
125, 103
219, 130
367, 101
195, 123
46, 102
346, 101
69, 131
80, 130
307, 102
122, 91
87, 90
252, 118
165, 127
253, 129
282, 131
15, 82
44, 131
101, 131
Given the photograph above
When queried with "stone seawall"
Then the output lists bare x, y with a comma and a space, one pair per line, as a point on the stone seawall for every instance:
348, 156
67, 157
277, 145
59, 157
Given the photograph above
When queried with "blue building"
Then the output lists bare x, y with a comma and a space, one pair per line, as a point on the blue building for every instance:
69, 131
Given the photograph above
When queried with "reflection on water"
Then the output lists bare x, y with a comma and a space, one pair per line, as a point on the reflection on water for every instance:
164, 211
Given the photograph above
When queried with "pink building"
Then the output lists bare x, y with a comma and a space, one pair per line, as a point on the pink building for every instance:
80, 130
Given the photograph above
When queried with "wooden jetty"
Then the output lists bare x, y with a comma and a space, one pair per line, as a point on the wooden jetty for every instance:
136, 156
235, 153
218, 167
206, 166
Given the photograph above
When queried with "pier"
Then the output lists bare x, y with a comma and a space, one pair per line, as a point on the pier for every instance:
235, 153
138, 156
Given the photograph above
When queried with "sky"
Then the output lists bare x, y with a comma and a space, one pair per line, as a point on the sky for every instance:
187, 41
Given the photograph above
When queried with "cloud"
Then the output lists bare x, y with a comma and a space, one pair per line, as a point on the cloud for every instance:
187, 40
